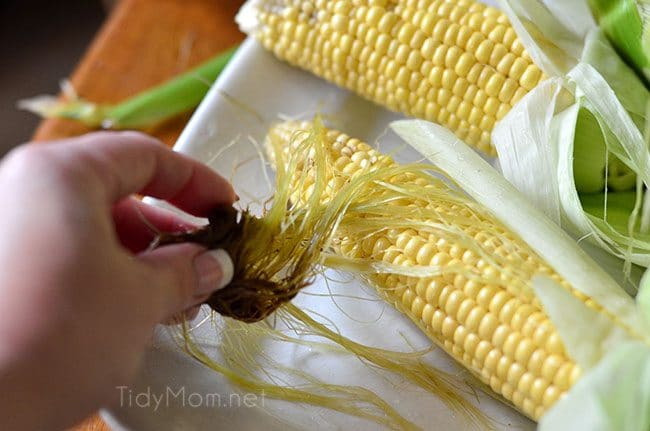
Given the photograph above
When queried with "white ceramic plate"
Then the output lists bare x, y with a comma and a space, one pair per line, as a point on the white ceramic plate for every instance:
255, 91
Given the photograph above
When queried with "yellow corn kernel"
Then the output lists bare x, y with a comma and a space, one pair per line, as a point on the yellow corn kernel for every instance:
500, 334
347, 41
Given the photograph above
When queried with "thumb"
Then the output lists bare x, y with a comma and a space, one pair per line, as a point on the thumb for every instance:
186, 275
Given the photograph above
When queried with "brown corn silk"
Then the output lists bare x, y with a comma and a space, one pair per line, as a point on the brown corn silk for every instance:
263, 278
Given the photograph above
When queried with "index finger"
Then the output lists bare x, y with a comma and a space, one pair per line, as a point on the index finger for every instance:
130, 162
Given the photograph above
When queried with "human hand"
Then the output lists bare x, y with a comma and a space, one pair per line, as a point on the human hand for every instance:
80, 292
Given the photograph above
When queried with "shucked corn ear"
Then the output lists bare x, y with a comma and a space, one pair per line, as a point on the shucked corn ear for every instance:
480, 308
458, 63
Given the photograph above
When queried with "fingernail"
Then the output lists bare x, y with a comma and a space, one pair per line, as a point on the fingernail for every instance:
214, 270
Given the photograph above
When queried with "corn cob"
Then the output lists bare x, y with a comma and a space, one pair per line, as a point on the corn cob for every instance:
480, 313
458, 63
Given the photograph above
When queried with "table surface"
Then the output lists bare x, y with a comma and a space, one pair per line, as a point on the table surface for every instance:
144, 43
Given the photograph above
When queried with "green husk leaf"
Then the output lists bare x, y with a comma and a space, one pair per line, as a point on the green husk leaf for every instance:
623, 24
144, 110
594, 146
616, 214
593, 166
594, 136
629, 89
599, 97
578, 219
589, 154
590, 147
626, 143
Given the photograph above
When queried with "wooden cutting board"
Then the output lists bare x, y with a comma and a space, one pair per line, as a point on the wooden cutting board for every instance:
144, 43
